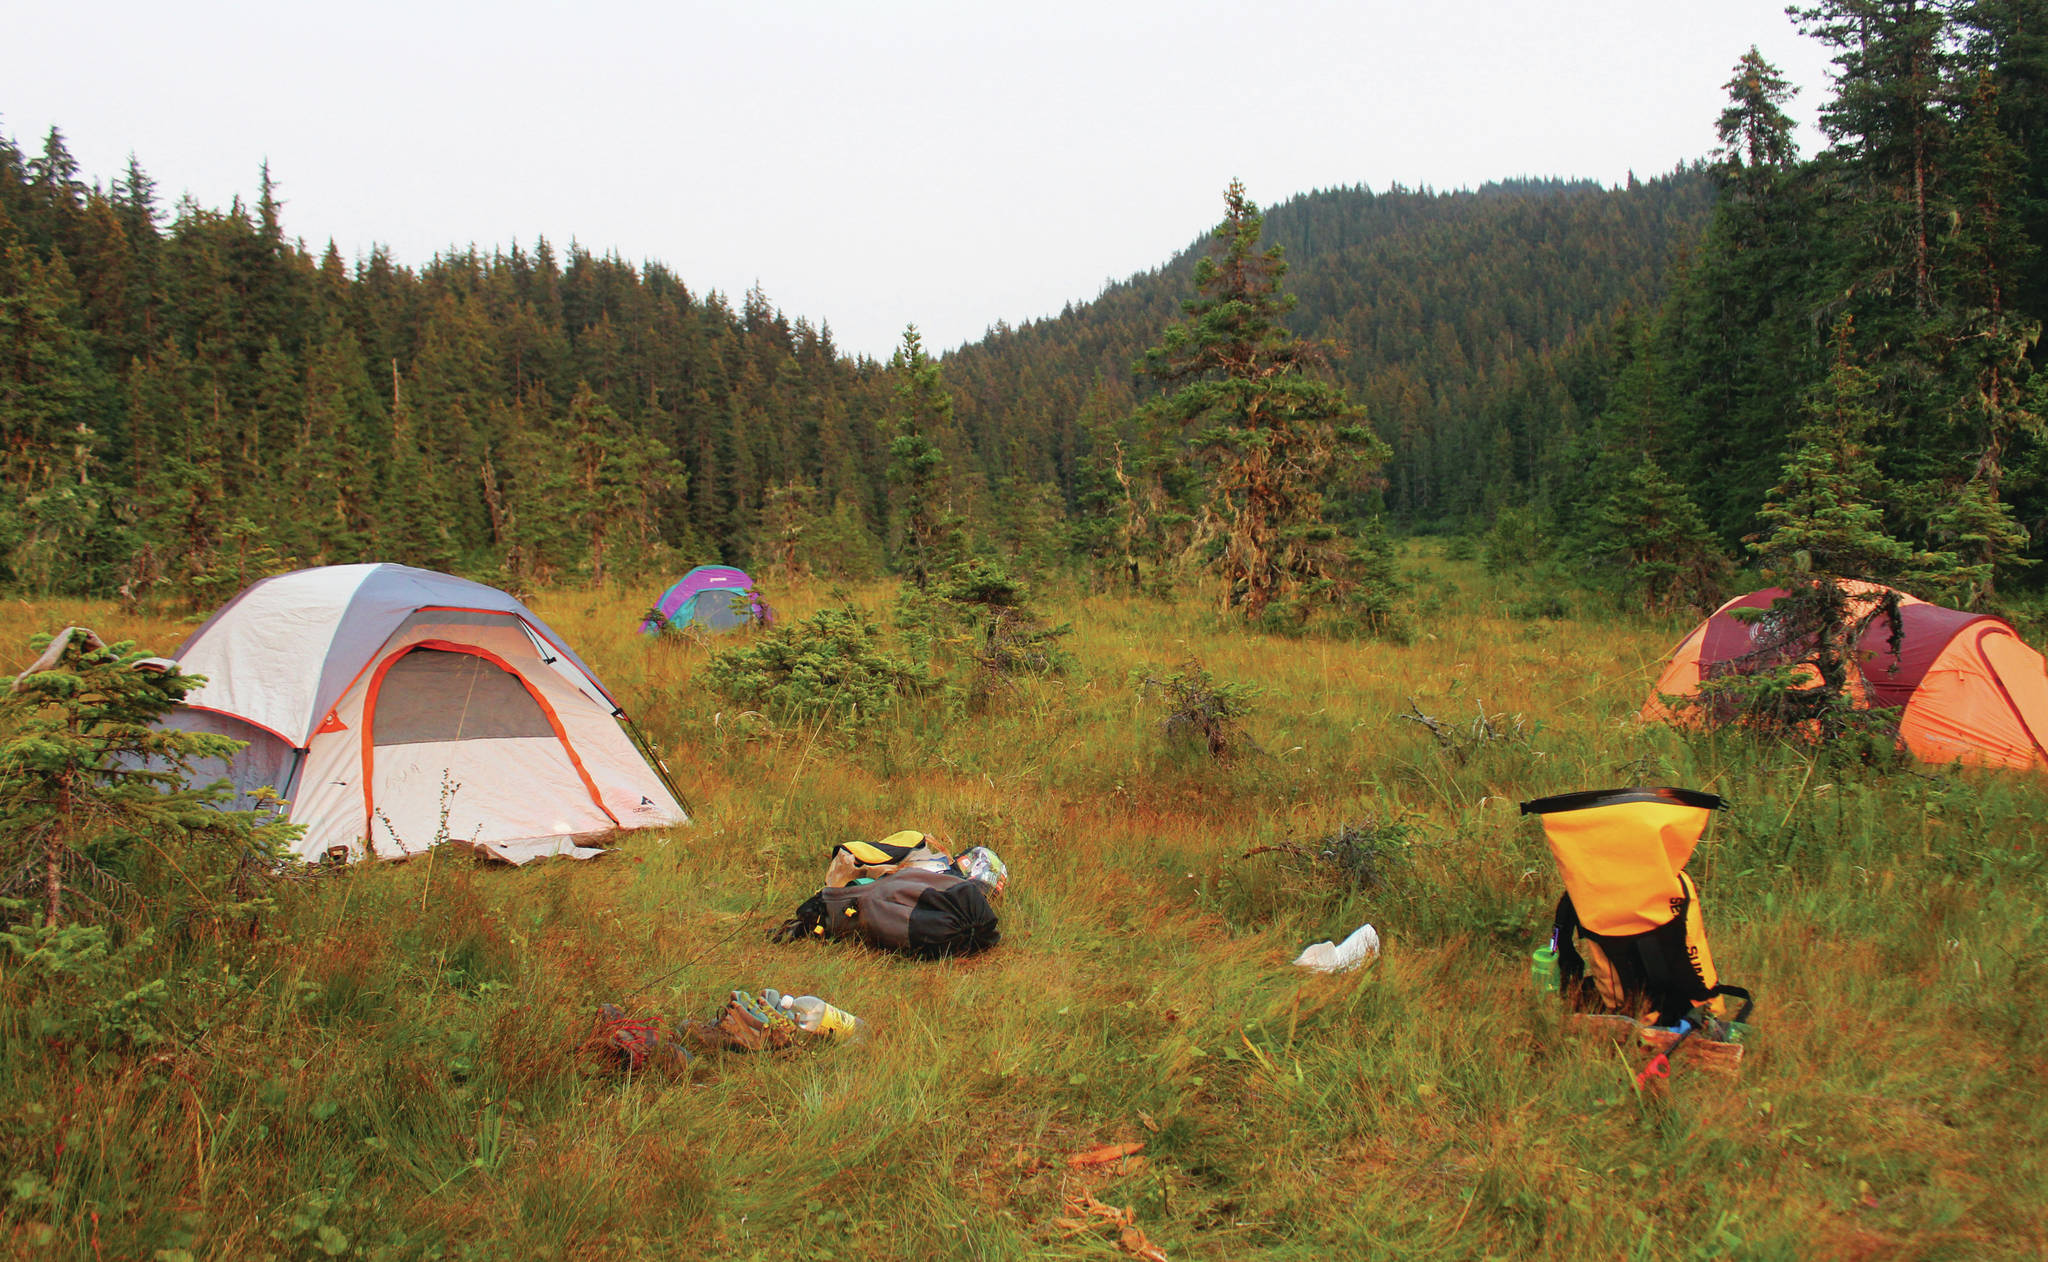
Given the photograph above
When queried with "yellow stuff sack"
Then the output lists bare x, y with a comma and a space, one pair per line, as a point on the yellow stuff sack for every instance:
1630, 935
857, 859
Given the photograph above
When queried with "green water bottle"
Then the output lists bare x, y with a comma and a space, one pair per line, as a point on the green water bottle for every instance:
1543, 970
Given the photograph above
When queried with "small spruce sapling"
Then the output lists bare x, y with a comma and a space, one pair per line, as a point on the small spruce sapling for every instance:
1202, 710
933, 533
1008, 637
101, 814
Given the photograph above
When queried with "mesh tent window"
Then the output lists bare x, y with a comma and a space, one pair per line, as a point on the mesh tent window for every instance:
436, 695
721, 609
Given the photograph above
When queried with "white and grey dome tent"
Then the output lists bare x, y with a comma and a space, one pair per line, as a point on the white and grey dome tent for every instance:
374, 696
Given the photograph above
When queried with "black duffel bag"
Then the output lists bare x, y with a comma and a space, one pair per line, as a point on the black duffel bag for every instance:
925, 914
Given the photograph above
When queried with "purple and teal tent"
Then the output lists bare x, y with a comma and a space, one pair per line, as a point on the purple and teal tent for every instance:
715, 597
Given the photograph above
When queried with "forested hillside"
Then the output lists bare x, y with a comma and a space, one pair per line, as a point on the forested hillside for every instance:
1456, 318
186, 397
191, 395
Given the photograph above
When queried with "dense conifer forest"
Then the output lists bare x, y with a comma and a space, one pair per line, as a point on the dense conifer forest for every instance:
1626, 371
1451, 316
558, 412
189, 396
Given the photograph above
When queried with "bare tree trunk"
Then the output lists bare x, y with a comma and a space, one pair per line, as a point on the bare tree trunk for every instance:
53, 855
1920, 282
494, 500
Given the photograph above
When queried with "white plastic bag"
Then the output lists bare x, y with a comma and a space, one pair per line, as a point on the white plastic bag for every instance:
1341, 957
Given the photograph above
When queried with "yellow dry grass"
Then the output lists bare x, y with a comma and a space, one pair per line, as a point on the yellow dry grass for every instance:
388, 1069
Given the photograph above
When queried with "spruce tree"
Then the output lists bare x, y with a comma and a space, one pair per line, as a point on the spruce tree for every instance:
1824, 517
788, 510
1272, 435
1755, 131
1800, 677
1736, 332
1893, 59
96, 793
932, 534
1986, 336
48, 500
1650, 530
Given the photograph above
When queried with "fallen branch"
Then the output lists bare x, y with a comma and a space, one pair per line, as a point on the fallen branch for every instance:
1124, 1220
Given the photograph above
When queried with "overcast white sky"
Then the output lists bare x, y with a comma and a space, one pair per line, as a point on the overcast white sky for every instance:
950, 163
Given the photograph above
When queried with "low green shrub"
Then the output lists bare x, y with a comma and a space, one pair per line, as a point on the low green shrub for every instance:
1201, 710
829, 667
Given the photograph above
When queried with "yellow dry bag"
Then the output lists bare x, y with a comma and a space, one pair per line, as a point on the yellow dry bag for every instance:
1630, 934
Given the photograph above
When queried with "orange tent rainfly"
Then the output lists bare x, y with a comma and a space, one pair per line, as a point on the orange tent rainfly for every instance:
1968, 688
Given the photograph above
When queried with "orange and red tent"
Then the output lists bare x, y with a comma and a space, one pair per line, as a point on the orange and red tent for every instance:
1969, 689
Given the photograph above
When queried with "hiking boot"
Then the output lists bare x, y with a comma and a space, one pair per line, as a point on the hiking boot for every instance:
753, 1026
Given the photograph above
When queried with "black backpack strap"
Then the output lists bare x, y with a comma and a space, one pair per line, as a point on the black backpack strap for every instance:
808, 921
1571, 966
1738, 993
1661, 983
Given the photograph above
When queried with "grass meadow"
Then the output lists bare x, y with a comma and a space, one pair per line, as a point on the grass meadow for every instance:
385, 1067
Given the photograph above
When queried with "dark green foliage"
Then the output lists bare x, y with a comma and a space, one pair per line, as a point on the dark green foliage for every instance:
1470, 325
49, 510
1800, 680
840, 545
1202, 711
1006, 637
1911, 229
831, 667
932, 531
1549, 606
1653, 541
788, 514
380, 412
69, 982
1755, 131
164, 380
1518, 542
100, 820
1272, 437
1778, 692
168, 378
1372, 604
1823, 515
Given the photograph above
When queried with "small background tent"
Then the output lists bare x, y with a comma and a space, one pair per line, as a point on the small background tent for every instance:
717, 597
363, 689
1970, 690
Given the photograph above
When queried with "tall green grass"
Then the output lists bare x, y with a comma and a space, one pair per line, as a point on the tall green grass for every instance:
385, 1067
